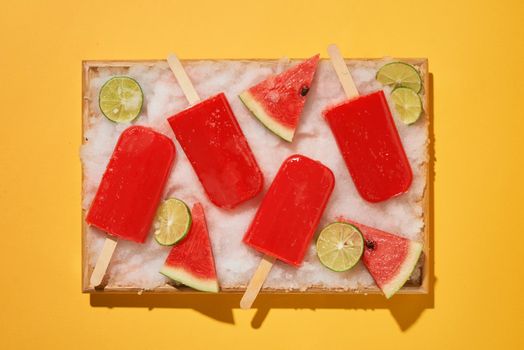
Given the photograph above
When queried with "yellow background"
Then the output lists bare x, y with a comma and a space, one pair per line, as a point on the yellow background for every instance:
476, 54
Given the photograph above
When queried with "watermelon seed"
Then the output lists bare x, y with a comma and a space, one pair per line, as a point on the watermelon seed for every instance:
304, 90
370, 245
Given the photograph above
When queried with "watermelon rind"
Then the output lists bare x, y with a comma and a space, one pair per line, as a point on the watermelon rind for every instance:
269, 122
183, 276
405, 270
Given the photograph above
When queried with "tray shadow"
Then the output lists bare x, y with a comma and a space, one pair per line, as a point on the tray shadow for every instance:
405, 309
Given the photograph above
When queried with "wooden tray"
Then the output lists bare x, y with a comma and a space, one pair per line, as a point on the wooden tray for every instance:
419, 285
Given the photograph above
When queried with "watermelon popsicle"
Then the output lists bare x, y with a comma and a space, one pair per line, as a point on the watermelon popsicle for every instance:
215, 146
288, 217
368, 139
127, 197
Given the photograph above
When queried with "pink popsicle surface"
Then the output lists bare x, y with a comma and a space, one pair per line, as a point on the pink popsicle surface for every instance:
218, 151
371, 147
291, 209
128, 195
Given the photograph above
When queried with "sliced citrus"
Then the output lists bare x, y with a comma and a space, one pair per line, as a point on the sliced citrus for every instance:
408, 104
121, 99
400, 74
172, 222
340, 246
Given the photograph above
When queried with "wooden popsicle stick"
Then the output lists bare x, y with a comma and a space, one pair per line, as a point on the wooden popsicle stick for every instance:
342, 71
183, 79
256, 282
103, 261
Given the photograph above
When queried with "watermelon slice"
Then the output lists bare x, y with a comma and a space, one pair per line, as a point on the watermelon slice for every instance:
279, 100
191, 262
390, 259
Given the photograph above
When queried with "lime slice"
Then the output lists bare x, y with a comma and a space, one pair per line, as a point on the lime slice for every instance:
120, 99
408, 104
172, 222
399, 74
340, 246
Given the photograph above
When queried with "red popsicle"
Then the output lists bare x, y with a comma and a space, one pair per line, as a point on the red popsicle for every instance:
288, 216
127, 198
218, 151
215, 145
370, 145
368, 140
